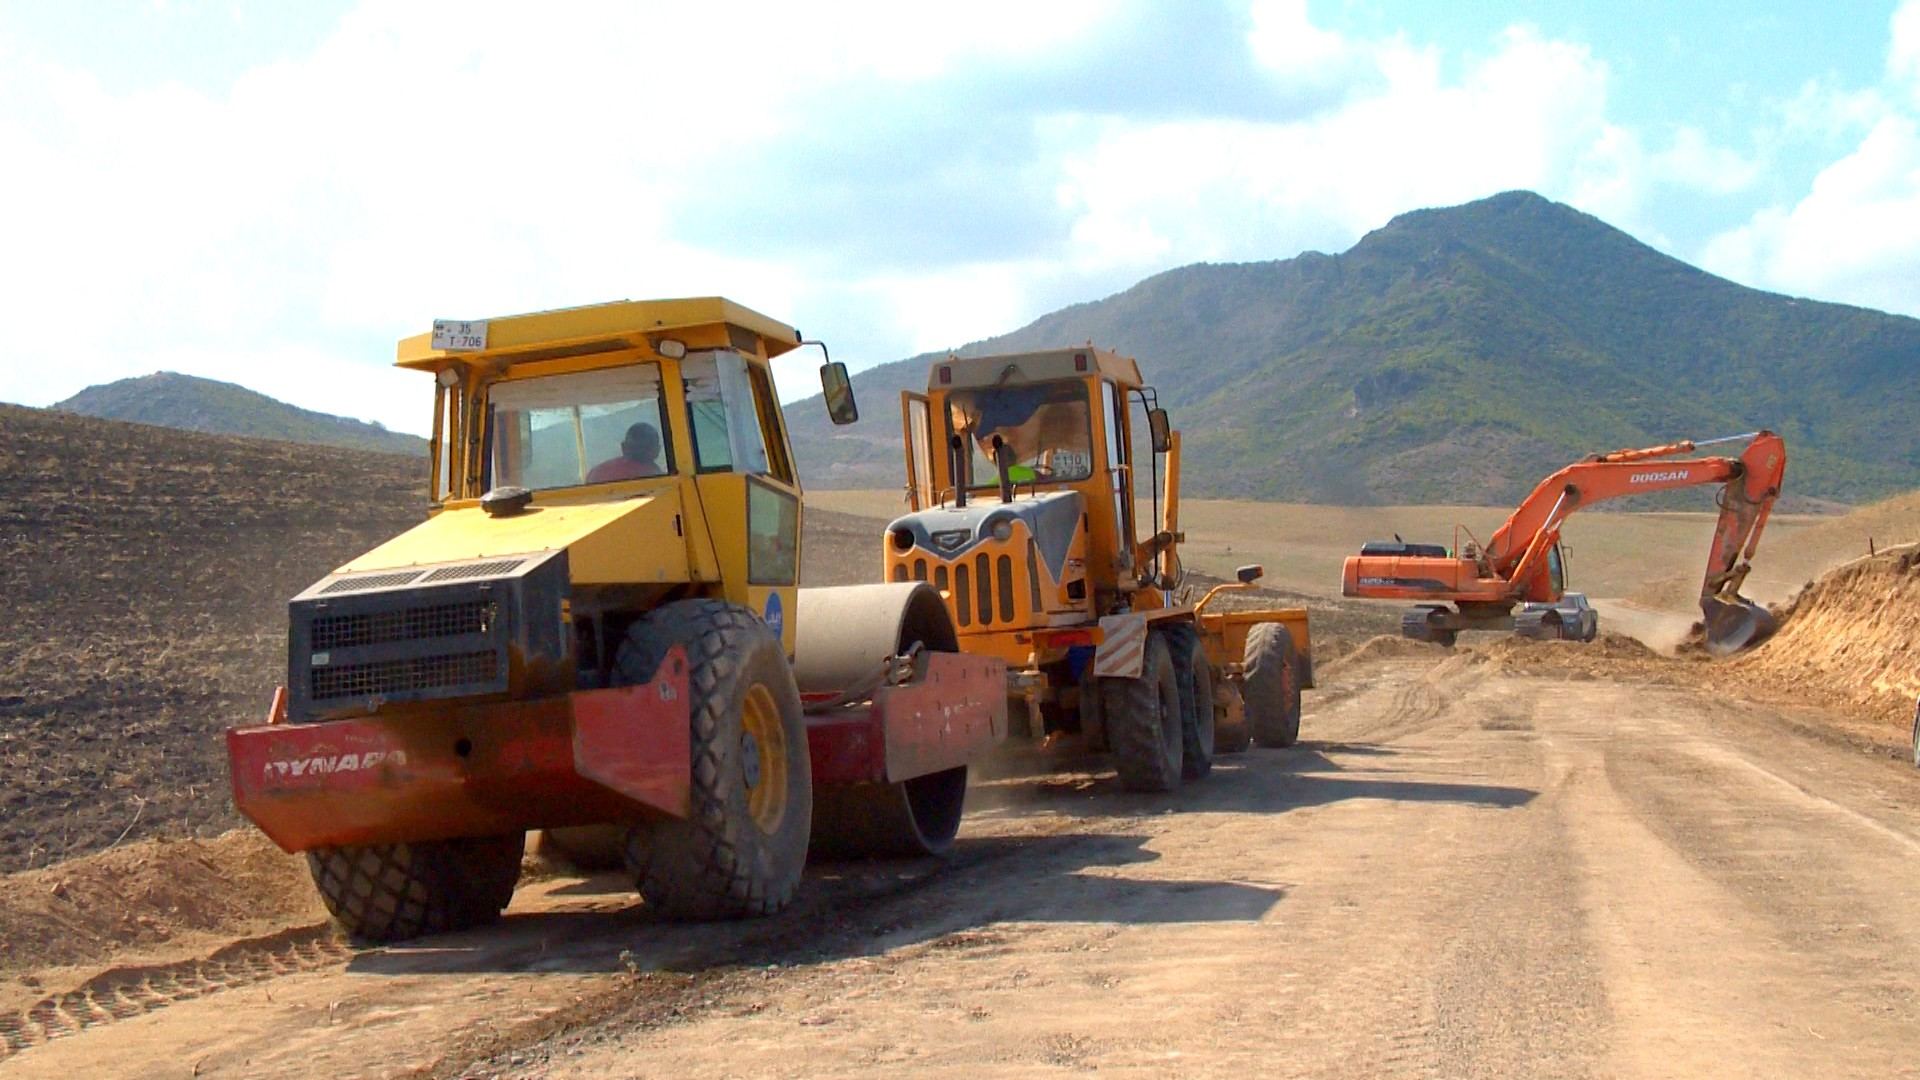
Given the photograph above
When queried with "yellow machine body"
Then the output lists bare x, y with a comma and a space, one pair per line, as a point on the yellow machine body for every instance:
703, 527
1037, 569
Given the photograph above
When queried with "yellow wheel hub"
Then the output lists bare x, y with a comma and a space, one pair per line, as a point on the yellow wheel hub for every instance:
763, 758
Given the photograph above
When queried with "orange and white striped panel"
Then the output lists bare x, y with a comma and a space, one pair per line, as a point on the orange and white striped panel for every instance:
1122, 651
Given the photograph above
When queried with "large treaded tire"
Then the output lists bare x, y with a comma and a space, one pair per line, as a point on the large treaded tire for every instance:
391, 892
1143, 718
1272, 687
1197, 716
720, 862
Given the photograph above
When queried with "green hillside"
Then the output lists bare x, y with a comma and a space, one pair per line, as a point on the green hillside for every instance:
169, 399
1458, 355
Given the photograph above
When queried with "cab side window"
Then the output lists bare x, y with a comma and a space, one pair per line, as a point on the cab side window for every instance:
735, 420
721, 414
767, 405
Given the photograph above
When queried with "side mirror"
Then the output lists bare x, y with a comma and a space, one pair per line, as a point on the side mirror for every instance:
838, 390
1162, 433
1250, 574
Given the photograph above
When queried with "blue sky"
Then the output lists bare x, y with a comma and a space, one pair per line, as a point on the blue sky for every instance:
272, 194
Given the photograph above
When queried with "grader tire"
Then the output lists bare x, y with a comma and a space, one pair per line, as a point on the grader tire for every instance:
1143, 718
391, 892
1272, 686
741, 848
1197, 718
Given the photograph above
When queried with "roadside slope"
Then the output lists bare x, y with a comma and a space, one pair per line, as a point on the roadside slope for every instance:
1854, 632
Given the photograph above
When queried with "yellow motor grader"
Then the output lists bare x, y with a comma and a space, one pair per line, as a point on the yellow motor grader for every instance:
1025, 475
598, 626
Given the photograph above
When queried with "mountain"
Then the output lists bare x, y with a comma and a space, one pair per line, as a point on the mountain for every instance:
1458, 355
169, 399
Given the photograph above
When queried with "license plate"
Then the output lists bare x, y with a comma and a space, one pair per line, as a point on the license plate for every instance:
455, 335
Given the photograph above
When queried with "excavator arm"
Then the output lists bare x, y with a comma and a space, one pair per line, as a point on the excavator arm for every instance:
1517, 564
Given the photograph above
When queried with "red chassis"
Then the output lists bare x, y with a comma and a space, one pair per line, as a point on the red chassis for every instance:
583, 758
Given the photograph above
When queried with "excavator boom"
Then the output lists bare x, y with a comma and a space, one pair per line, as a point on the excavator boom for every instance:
1520, 563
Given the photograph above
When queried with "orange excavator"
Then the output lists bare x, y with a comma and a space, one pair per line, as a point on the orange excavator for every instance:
1522, 563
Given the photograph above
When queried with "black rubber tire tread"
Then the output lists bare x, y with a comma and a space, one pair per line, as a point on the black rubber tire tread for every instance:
1144, 727
1198, 732
1272, 686
392, 892
716, 863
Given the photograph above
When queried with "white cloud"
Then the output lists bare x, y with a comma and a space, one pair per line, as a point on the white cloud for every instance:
894, 178
1855, 236
1903, 54
1533, 114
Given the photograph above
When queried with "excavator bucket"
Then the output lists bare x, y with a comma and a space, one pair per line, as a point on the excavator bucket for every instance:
1733, 625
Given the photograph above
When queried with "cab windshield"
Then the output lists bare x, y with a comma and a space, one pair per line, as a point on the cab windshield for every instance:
588, 427
1045, 427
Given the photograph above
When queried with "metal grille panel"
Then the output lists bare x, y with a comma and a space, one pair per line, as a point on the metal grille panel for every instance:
388, 677
472, 570
371, 581
405, 624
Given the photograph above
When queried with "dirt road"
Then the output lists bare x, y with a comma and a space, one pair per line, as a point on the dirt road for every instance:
1466, 871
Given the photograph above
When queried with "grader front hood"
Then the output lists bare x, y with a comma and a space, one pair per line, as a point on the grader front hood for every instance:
633, 541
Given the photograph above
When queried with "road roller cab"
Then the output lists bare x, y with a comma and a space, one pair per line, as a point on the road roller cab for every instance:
1043, 491
598, 627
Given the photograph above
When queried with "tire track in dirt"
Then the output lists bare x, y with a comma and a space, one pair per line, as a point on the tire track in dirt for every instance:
1854, 918
676, 971
122, 993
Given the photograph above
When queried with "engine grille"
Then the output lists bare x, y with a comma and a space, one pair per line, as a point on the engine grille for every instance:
406, 624
466, 630
371, 581
387, 678
978, 584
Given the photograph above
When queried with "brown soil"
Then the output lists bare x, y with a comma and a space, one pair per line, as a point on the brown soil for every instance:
146, 573
149, 898
1510, 858
1853, 635
1465, 870
1384, 647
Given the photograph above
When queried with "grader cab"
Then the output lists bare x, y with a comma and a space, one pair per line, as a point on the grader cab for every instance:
1026, 476
598, 627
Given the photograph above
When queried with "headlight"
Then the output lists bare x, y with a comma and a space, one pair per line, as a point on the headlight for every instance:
1003, 529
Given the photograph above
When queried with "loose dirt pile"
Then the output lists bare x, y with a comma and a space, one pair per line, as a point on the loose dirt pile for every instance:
149, 899
1383, 647
1854, 635
1610, 655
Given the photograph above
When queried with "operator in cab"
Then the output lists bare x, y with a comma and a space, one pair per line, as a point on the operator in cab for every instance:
639, 458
